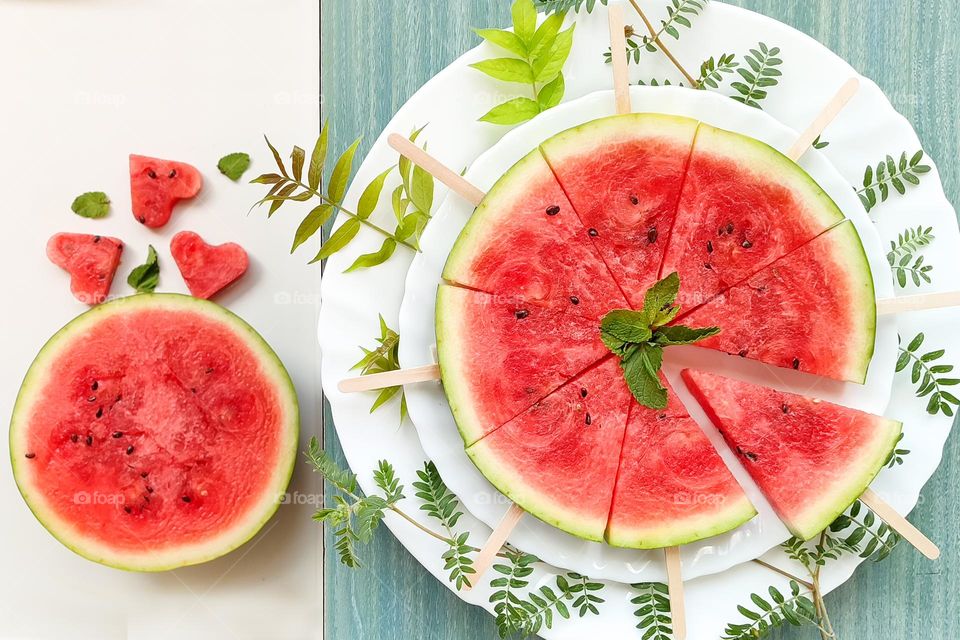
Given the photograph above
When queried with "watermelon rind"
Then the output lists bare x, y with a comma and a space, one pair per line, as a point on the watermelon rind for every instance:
183, 555
450, 352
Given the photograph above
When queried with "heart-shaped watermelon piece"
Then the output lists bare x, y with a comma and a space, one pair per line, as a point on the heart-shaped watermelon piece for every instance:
207, 268
90, 260
157, 185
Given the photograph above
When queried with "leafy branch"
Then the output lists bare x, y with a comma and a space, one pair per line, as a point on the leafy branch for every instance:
762, 75
653, 610
537, 610
864, 533
384, 357
891, 173
441, 504
929, 376
896, 456
512, 577
540, 54
772, 612
563, 6
903, 259
713, 69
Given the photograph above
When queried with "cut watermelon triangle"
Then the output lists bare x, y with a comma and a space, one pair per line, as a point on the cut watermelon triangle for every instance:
499, 355
90, 260
672, 486
623, 176
558, 460
778, 315
812, 459
744, 204
525, 242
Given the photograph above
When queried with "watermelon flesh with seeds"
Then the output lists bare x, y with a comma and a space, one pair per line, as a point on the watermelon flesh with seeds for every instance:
154, 432
792, 313
558, 459
743, 205
90, 260
623, 176
812, 459
156, 186
499, 354
672, 486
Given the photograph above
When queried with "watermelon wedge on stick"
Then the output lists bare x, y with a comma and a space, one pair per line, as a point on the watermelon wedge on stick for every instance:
812, 459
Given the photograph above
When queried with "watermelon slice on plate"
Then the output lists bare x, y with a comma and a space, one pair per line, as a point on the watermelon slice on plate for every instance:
812, 459
744, 204
157, 185
90, 260
525, 241
623, 176
207, 268
499, 355
154, 432
558, 459
778, 315
672, 487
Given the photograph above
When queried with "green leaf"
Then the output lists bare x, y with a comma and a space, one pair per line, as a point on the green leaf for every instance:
93, 204
546, 35
622, 326
368, 260
234, 165
297, 158
145, 277
524, 16
309, 226
512, 112
421, 190
504, 39
340, 177
678, 335
371, 195
550, 62
338, 240
317, 160
552, 93
277, 158
640, 369
506, 69
659, 299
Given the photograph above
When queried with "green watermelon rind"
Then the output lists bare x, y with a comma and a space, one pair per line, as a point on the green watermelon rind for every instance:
176, 557
831, 506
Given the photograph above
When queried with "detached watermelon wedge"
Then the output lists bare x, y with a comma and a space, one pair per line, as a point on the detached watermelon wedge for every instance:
558, 459
744, 204
90, 260
812, 459
672, 487
777, 316
499, 355
525, 241
157, 185
623, 176
207, 268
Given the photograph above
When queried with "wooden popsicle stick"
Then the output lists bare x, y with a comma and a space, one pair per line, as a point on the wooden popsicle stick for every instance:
484, 559
390, 379
900, 524
820, 123
618, 50
922, 302
438, 170
678, 609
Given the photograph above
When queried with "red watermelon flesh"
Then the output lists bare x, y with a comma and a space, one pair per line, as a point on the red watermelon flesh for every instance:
206, 268
812, 459
623, 176
778, 316
743, 205
526, 242
157, 185
159, 432
499, 355
90, 260
672, 487
558, 459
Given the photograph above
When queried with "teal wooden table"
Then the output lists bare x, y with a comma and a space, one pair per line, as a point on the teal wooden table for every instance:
376, 53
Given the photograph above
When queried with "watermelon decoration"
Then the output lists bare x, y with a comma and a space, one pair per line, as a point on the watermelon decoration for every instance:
623, 176
157, 185
744, 204
90, 260
558, 459
672, 487
812, 459
154, 432
206, 268
825, 283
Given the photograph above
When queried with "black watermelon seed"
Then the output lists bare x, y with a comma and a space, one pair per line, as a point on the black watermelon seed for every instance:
128, 509
634, 200
652, 235
96, 239
583, 392
662, 416
118, 434
746, 244
574, 300
747, 454
796, 363
149, 489
729, 227
743, 353
593, 233
185, 498
172, 174
74, 438
521, 314
30, 456
152, 174
552, 211
95, 386
144, 474
89, 440
209, 370
92, 399
130, 450
99, 412
588, 419
708, 266
141, 219
785, 408
709, 246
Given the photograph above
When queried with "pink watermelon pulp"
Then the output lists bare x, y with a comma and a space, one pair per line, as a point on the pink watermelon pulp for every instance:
812, 459
157, 185
154, 432
206, 268
91, 261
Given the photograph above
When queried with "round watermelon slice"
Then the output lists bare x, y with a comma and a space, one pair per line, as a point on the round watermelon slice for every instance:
154, 432
157, 185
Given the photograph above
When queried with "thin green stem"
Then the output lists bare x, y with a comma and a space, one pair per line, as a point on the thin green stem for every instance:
785, 574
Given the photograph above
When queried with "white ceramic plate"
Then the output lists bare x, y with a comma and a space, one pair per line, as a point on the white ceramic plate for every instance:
431, 413
452, 101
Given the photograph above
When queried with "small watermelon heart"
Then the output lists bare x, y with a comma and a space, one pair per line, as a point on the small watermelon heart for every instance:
90, 260
157, 185
206, 268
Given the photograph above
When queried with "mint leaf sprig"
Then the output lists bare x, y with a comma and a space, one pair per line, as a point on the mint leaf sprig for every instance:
638, 338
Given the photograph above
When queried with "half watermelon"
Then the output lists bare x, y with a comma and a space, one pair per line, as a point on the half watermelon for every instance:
812, 459
778, 315
154, 432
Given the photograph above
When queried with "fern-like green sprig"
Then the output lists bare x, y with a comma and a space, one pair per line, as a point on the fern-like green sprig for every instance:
929, 377
903, 257
713, 69
511, 578
382, 358
537, 610
891, 173
653, 614
863, 533
897, 455
761, 76
441, 504
680, 13
772, 611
